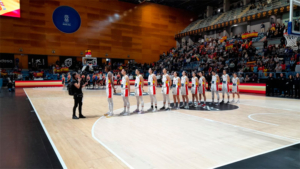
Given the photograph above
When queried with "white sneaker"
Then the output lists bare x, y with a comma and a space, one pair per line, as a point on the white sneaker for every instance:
141, 112
121, 114
195, 105
186, 107
110, 114
126, 114
154, 110
238, 101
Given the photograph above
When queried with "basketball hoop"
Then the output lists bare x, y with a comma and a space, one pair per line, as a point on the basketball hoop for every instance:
291, 41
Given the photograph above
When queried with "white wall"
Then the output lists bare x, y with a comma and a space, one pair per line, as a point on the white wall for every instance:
255, 25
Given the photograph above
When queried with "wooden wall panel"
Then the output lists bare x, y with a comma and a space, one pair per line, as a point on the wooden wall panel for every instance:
142, 31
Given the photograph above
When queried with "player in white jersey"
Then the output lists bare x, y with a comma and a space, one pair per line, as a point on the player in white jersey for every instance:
125, 90
166, 83
152, 83
215, 86
235, 87
184, 90
225, 86
194, 90
202, 86
139, 85
175, 90
110, 88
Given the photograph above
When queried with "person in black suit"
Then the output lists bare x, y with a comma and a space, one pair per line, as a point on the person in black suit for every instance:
290, 86
297, 85
270, 85
77, 85
281, 84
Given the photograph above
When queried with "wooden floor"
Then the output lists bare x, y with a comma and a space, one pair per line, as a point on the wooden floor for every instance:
174, 139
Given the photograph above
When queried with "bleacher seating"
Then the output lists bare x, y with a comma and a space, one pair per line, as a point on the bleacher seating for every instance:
233, 14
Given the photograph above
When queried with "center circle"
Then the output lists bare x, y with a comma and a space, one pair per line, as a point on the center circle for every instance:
211, 107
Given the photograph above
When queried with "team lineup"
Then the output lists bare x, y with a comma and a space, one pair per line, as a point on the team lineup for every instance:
177, 85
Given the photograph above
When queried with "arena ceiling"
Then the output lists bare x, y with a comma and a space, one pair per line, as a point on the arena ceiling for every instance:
196, 6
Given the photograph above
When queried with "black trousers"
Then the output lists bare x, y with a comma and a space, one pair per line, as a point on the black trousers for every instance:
297, 91
290, 91
77, 103
270, 90
282, 90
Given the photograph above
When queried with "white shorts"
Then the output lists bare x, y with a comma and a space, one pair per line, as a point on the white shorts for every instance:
184, 91
215, 87
175, 91
194, 90
166, 90
225, 88
109, 92
124, 93
201, 90
138, 92
235, 89
152, 90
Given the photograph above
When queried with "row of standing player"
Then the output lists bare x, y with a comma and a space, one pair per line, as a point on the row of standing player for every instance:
178, 86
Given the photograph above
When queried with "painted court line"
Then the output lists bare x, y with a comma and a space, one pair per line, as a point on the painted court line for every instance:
256, 155
115, 154
47, 134
261, 121
269, 107
210, 120
263, 133
268, 113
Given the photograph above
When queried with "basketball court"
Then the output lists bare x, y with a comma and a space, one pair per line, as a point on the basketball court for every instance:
164, 139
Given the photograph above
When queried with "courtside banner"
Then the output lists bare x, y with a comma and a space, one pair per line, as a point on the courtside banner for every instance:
7, 60
38, 83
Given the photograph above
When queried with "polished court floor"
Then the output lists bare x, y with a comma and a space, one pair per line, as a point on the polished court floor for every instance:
173, 139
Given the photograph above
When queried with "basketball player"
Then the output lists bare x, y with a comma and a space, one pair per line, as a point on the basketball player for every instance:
110, 88
139, 85
215, 86
194, 90
202, 86
166, 82
63, 80
125, 90
175, 90
68, 78
184, 90
235, 87
225, 86
152, 83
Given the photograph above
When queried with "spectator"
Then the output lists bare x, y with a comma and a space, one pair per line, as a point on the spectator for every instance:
278, 68
247, 79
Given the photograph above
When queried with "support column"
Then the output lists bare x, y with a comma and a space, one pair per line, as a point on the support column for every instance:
209, 11
226, 5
